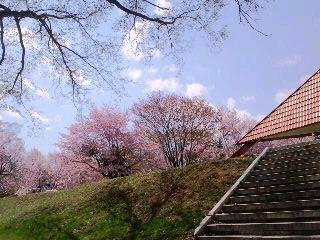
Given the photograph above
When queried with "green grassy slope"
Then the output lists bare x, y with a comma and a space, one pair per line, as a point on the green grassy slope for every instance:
162, 205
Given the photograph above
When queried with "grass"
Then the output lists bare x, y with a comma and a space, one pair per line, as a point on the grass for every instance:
161, 205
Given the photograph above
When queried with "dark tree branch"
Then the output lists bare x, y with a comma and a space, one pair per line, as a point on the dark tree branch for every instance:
44, 20
23, 54
246, 16
63, 55
3, 47
141, 15
136, 8
4, 7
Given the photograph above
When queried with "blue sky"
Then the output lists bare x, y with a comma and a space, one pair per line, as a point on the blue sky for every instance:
247, 71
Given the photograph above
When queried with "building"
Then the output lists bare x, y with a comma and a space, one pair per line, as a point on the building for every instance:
296, 116
278, 196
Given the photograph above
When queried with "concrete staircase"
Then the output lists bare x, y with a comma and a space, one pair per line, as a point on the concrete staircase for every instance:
278, 197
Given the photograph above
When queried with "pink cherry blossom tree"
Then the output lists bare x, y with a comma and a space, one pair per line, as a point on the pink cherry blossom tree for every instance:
182, 129
69, 173
231, 126
11, 155
38, 174
103, 143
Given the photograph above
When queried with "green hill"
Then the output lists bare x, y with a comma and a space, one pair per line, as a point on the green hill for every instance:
161, 205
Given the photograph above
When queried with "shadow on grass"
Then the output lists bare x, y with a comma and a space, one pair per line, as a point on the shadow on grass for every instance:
117, 211
115, 202
165, 218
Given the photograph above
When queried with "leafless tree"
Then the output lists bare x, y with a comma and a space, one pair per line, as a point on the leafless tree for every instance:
79, 40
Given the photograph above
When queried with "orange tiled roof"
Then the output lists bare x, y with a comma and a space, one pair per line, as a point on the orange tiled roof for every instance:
299, 110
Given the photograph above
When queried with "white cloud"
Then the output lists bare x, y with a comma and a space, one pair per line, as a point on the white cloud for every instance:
134, 74
152, 70
30, 38
13, 114
289, 61
132, 43
243, 113
160, 84
156, 53
101, 91
28, 84
195, 90
57, 118
40, 117
83, 80
172, 68
282, 95
231, 102
132, 40
162, 4
248, 98
42, 93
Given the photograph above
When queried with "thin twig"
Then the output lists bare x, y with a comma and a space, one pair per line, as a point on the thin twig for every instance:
244, 15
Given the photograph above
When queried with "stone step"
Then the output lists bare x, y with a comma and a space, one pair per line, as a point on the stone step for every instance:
297, 157
286, 162
284, 166
278, 199
275, 197
308, 171
294, 156
281, 181
303, 165
268, 216
283, 228
297, 152
292, 151
257, 237
294, 148
280, 188
262, 207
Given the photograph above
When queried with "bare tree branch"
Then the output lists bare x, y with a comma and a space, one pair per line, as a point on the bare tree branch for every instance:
4, 7
54, 20
244, 15
23, 54
141, 15
3, 47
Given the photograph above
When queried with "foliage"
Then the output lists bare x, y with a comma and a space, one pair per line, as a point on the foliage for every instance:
11, 154
182, 128
104, 143
160, 205
38, 175
21, 171
164, 130
230, 128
